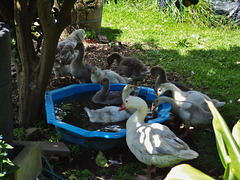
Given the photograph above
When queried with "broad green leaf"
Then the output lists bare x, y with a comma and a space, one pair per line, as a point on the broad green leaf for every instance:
72, 177
222, 151
101, 160
236, 132
228, 175
8, 146
233, 151
186, 172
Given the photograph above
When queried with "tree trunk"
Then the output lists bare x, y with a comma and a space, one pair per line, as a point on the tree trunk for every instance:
33, 73
25, 70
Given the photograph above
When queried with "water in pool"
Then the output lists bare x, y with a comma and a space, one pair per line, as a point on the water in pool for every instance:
71, 111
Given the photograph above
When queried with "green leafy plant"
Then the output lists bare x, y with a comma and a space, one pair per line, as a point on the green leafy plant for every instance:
54, 136
19, 133
185, 171
228, 150
101, 161
183, 43
91, 34
6, 165
80, 175
75, 150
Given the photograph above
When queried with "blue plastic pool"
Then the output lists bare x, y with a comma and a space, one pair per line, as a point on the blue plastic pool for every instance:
95, 140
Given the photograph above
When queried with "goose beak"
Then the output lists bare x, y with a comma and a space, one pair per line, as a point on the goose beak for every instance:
135, 86
92, 70
99, 82
159, 92
153, 107
154, 112
122, 107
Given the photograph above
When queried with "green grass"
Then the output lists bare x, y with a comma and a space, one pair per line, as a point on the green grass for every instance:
207, 55
199, 45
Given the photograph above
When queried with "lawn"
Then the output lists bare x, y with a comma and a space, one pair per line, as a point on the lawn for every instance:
208, 56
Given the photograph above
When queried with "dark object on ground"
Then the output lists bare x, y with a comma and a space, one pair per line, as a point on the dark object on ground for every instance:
228, 8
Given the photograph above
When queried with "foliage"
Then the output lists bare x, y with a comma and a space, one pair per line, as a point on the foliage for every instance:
128, 172
91, 34
101, 160
185, 171
53, 136
6, 165
19, 133
228, 149
236, 132
80, 175
75, 150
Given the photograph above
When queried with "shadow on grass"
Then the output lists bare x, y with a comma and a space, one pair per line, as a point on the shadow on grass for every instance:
110, 33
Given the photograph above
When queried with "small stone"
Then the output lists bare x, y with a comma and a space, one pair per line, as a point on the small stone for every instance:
54, 149
33, 134
103, 39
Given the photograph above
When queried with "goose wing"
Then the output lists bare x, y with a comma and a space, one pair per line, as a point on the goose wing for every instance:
159, 140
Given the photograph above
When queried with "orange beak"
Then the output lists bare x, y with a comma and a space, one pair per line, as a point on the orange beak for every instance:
92, 70
99, 82
158, 94
154, 114
135, 86
153, 107
122, 107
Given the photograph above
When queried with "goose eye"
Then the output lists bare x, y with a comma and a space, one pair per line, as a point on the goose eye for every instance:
126, 101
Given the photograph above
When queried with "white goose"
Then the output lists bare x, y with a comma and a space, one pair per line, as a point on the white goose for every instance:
65, 53
189, 112
107, 114
127, 90
97, 75
153, 144
194, 96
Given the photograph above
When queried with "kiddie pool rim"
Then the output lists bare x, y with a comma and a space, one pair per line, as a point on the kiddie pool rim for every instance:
52, 96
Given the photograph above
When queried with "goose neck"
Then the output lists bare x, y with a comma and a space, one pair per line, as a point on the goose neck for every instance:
137, 118
175, 104
104, 91
114, 56
80, 55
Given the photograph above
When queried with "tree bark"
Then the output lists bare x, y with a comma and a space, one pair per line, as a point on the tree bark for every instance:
25, 70
33, 73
